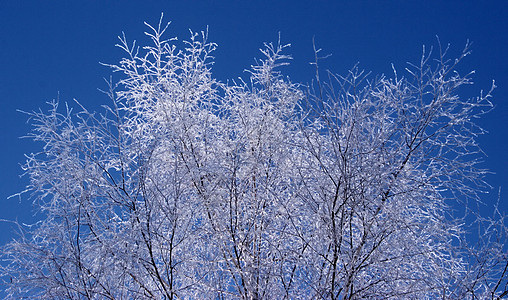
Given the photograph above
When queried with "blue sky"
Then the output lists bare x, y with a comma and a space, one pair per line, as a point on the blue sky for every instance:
51, 48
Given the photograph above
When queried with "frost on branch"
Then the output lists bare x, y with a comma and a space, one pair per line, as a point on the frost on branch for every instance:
186, 187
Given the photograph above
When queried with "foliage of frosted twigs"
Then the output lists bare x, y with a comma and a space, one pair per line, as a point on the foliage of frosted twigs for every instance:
188, 188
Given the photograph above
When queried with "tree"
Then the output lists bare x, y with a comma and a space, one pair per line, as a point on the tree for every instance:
186, 187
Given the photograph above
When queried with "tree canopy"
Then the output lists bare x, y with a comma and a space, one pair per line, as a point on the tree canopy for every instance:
184, 187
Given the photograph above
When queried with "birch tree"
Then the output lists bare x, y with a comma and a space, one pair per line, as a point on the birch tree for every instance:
188, 188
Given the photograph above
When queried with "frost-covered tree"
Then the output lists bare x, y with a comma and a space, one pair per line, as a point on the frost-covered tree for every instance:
189, 188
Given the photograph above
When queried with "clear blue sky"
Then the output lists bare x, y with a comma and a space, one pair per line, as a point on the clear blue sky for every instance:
54, 47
